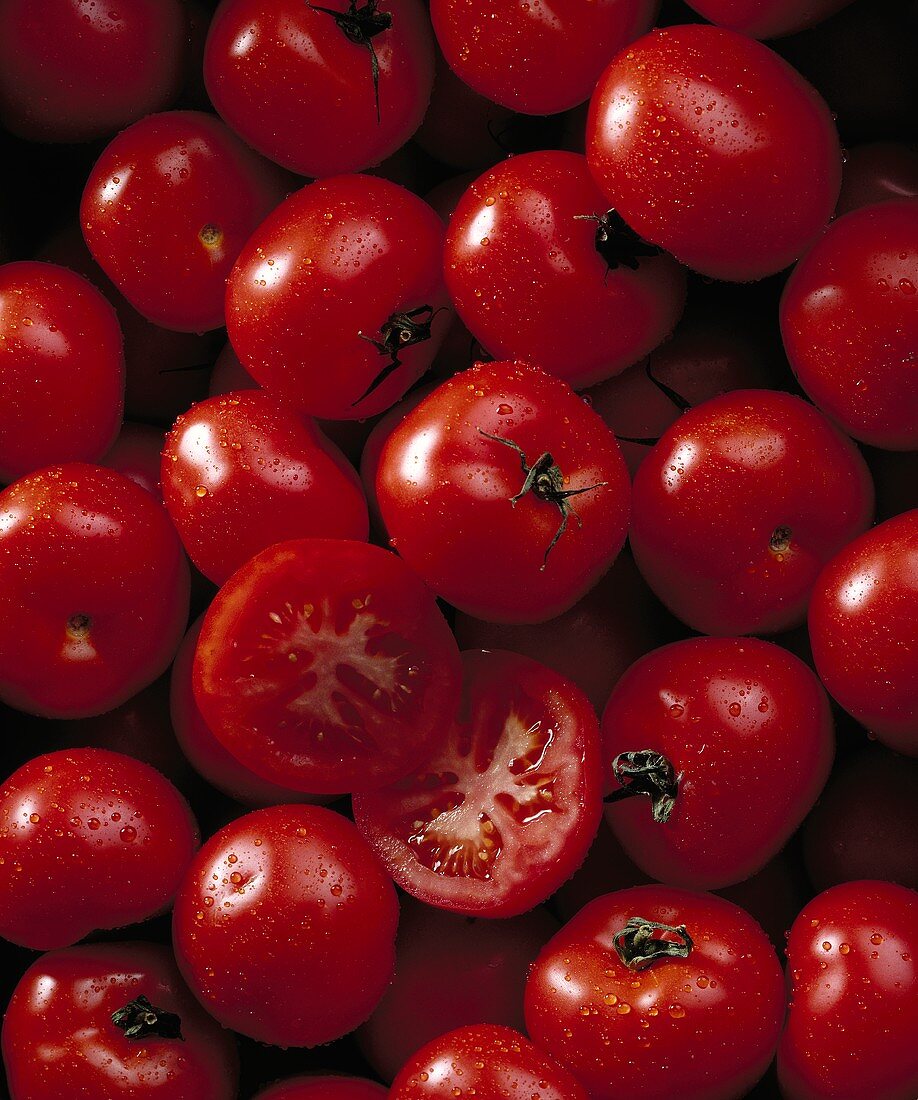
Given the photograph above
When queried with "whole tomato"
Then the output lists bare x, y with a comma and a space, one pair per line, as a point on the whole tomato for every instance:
878, 171
505, 492
321, 1087
651, 986
290, 905
766, 18
712, 147
853, 1014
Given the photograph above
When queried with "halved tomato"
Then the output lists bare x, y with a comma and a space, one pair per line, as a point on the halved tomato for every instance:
506, 811
326, 666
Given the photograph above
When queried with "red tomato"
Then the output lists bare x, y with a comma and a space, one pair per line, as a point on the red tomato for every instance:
853, 1013
75, 71
596, 299
536, 60
166, 210
877, 172
766, 18
327, 667
739, 506
321, 89
730, 741
506, 811
481, 966
93, 571
652, 986
864, 630
345, 273
284, 927
243, 472
61, 1043
136, 454
88, 839
849, 318
61, 369
324, 1088
711, 146
505, 492
486, 1061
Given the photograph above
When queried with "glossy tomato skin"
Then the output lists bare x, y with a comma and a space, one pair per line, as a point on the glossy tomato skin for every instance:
759, 164
244, 471
294, 87
766, 18
78, 71
710, 1021
318, 281
61, 369
506, 811
88, 839
326, 666
480, 965
849, 318
738, 507
321, 1087
579, 318
136, 453
851, 967
498, 1063
747, 727
864, 630
166, 210
94, 567
59, 1042
290, 904
538, 64
445, 489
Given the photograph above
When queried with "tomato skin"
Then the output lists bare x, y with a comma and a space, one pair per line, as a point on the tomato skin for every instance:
725, 484
711, 1022
498, 1063
307, 928
321, 1087
529, 62
61, 369
523, 759
136, 454
853, 1016
243, 472
766, 18
578, 319
295, 88
863, 631
758, 155
444, 493
878, 171
166, 210
849, 319
59, 1042
74, 878
295, 310
120, 564
747, 726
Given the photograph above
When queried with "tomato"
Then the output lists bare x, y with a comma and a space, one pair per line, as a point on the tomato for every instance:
242, 472
864, 630
505, 492
505, 812
93, 572
324, 1088
321, 89
849, 318
651, 986
88, 839
136, 454
596, 300
536, 60
851, 964
766, 18
166, 210
327, 667
711, 146
75, 71
877, 172
347, 272
491, 1062
61, 1043
61, 369
730, 742
738, 507
289, 905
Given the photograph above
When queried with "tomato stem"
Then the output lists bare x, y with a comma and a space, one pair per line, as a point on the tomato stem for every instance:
402, 330
360, 25
649, 773
139, 1020
640, 943
617, 242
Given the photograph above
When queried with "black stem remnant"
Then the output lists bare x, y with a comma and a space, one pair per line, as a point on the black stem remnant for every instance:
140, 1020
639, 943
360, 25
617, 242
649, 773
402, 330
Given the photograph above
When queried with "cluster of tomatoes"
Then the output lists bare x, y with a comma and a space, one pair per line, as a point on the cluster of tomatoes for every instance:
459, 551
